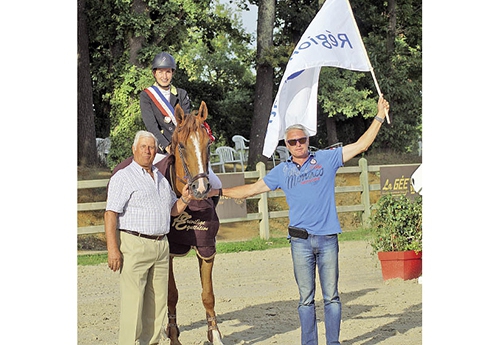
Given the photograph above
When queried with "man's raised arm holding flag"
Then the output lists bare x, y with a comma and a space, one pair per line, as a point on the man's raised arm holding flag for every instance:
331, 39
364, 142
308, 181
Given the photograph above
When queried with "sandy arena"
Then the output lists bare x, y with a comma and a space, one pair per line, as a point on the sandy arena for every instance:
256, 301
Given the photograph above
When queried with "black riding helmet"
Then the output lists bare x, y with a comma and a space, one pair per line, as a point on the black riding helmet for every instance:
163, 60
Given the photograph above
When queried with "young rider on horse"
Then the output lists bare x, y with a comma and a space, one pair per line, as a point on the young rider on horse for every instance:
159, 100
157, 108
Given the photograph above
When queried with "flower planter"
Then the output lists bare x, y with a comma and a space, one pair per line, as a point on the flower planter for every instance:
406, 265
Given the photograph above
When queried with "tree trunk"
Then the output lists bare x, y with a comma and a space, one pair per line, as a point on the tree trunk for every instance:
87, 150
263, 99
331, 130
391, 31
139, 8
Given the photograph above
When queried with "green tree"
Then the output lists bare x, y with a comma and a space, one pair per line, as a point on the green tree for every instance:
392, 32
218, 71
215, 65
340, 97
201, 35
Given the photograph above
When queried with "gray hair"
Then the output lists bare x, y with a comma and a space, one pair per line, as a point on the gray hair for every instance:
144, 134
299, 127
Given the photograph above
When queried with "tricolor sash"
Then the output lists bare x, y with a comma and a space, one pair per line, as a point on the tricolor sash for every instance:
161, 102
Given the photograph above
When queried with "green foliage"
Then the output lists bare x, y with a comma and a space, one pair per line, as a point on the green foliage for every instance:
212, 51
217, 71
403, 85
396, 224
350, 97
397, 69
211, 48
125, 114
215, 64
339, 94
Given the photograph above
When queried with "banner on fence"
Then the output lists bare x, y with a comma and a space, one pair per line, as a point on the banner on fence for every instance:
397, 180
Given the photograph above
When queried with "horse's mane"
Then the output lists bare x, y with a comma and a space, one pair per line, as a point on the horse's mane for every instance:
183, 131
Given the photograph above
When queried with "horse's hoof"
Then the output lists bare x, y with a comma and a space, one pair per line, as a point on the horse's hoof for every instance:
213, 333
173, 335
215, 337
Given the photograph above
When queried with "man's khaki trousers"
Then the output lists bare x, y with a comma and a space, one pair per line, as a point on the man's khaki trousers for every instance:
143, 289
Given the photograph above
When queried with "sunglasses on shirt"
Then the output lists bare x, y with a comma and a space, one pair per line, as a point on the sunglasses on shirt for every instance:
293, 142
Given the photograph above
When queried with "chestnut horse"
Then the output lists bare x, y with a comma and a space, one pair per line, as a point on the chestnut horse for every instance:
197, 226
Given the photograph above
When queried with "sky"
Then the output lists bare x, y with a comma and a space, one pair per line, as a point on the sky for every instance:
249, 18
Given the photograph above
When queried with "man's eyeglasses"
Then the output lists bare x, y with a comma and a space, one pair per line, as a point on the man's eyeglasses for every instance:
293, 142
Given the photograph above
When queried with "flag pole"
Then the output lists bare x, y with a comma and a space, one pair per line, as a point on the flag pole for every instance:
379, 93
367, 59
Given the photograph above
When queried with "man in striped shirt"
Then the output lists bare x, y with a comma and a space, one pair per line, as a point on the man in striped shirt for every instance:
137, 219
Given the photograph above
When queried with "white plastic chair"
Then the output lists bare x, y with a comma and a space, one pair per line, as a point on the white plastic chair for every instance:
103, 147
239, 142
216, 161
240, 146
228, 155
282, 154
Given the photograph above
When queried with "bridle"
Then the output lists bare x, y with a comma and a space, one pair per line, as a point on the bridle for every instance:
190, 179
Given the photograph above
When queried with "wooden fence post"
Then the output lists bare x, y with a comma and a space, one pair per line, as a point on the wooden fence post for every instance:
365, 194
263, 209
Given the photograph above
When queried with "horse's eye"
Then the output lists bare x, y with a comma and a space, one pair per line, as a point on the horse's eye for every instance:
181, 146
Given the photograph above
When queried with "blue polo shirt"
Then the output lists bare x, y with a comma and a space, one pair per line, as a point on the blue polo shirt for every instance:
310, 191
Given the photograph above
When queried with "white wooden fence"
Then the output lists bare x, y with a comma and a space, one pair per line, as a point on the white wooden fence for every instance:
263, 214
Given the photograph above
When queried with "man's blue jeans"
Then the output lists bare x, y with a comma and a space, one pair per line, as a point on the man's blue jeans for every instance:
320, 251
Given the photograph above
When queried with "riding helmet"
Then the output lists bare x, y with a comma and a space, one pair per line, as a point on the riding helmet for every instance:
164, 60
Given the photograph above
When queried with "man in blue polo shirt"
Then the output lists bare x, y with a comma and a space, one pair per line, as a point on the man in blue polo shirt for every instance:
308, 181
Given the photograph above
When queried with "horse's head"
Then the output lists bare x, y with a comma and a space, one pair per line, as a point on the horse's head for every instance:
190, 145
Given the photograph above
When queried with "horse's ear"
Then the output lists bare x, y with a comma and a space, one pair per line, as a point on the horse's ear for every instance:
179, 114
203, 111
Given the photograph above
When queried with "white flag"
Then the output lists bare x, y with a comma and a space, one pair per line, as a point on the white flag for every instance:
332, 39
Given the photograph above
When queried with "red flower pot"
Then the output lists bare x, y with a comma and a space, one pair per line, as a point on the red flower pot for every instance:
405, 265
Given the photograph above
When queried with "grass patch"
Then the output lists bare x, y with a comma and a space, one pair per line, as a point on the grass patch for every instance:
240, 246
355, 235
252, 245
92, 259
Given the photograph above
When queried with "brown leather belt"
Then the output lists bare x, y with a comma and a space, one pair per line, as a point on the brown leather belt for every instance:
149, 237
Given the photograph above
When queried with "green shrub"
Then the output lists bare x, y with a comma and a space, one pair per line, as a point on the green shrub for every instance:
125, 115
396, 224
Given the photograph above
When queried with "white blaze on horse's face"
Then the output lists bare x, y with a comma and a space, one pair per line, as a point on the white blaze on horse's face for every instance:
200, 186
196, 143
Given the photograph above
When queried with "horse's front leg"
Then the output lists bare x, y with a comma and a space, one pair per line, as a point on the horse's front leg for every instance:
208, 298
173, 296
